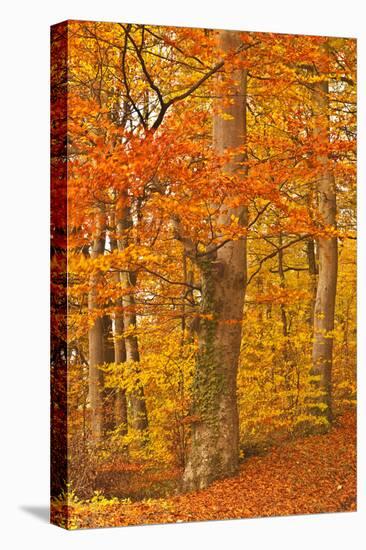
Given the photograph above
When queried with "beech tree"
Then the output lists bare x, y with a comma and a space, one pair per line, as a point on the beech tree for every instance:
96, 334
324, 309
214, 448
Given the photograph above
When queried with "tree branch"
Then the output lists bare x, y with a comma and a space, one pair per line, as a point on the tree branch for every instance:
273, 254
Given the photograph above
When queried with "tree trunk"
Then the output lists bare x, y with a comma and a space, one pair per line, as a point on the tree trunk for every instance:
108, 393
120, 403
313, 272
328, 265
96, 336
214, 446
139, 418
281, 273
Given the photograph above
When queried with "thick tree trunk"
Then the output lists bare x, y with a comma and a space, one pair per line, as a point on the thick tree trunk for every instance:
96, 337
214, 446
321, 405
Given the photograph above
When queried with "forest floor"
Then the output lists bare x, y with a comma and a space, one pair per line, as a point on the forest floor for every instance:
306, 476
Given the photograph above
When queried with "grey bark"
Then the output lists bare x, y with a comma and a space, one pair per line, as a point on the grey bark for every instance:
96, 336
328, 266
214, 448
109, 394
120, 403
139, 418
313, 272
119, 347
282, 285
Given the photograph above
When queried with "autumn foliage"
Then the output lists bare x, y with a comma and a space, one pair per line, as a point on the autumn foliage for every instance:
202, 274
307, 476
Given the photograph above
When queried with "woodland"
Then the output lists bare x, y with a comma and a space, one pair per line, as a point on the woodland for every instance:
203, 274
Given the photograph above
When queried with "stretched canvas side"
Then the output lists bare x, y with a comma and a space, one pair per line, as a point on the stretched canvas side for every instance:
59, 309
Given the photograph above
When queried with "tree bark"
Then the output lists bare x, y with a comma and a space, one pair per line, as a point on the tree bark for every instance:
322, 356
119, 346
108, 393
214, 446
96, 336
120, 403
139, 418
313, 272
281, 273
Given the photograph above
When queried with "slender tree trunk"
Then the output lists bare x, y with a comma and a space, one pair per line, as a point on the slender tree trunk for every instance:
289, 362
120, 400
328, 265
214, 446
120, 403
96, 336
108, 393
137, 401
282, 285
313, 272
139, 418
